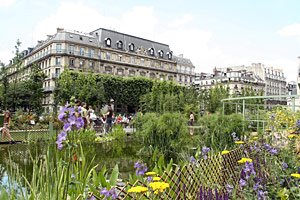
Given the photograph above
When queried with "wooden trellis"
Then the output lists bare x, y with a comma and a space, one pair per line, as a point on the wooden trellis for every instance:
187, 181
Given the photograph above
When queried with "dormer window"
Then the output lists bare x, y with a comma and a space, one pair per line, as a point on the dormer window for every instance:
120, 44
161, 53
151, 51
131, 47
108, 42
169, 54
80, 37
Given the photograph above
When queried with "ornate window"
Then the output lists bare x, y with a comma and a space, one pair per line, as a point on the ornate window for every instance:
152, 75
151, 51
108, 42
161, 53
120, 44
120, 72
131, 73
142, 73
131, 47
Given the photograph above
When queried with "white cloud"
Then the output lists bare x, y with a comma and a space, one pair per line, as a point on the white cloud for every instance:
194, 43
6, 55
78, 16
181, 21
290, 30
6, 3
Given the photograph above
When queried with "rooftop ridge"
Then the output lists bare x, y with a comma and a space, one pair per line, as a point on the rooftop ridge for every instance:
129, 35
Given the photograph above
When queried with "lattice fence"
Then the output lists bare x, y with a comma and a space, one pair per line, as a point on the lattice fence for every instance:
188, 181
25, 135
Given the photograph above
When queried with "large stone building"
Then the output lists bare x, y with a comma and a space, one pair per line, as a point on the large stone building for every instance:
275, 81
271, 81
236, 79
102, 51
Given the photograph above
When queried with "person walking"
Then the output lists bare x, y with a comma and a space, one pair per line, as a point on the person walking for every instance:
92, 116
84, 115
6, 125
108, 116
191, 118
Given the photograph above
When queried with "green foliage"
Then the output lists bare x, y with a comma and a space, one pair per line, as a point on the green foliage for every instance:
97, 90
164, 132
217, 130
166, 96
210, 100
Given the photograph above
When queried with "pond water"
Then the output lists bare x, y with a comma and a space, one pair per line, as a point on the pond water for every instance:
111, 153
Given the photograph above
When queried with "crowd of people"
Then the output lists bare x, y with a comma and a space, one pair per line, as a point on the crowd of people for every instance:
109, 118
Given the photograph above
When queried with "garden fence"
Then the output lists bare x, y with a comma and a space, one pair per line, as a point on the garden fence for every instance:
29, 134
187, 181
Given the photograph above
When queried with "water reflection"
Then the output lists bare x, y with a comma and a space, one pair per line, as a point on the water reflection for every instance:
123, 153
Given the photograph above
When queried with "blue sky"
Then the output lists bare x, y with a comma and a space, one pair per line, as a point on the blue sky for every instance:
213, 33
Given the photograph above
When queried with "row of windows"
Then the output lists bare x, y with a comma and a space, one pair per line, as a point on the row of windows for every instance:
131, 47
142, 61
273, 72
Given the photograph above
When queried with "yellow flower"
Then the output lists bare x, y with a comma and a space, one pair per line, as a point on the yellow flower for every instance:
138, 189
159, 186
296, 175
251, 141
225, 152
243, 160
156, 178
239, 142
268, 130
292, 135
255, 138
150, 173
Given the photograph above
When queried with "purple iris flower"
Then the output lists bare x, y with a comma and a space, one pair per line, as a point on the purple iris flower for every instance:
284, 164
67, 127
60, 146
61, 117
72, 120
242, 183
229, 188
193, 160
105, 192
272, 117
73, 176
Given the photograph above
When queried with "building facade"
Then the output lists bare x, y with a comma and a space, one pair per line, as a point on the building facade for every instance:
236, 79
260, 78
101, 51
275, 82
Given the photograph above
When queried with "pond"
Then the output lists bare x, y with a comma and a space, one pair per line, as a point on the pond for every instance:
111, 153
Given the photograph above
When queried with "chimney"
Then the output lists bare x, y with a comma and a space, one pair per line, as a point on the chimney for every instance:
49, 36
59, 29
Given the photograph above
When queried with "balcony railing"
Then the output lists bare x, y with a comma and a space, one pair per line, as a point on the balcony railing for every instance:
55, 75
49, 89
63, 51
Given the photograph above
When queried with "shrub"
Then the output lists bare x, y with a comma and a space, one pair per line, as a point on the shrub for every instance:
164, 132
217, 130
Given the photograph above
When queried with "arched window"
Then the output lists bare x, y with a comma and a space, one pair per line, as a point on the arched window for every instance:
120, 44
131, 47
169, 54
161, 53
151, 51
108, 42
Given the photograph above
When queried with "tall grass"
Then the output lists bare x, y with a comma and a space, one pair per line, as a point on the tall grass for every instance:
51, 177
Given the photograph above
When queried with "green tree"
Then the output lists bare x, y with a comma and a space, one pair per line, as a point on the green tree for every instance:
35, 89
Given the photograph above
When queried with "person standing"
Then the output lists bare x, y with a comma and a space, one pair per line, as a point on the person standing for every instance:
92, 116
84, 115
191, 118
6, 125
109, 116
